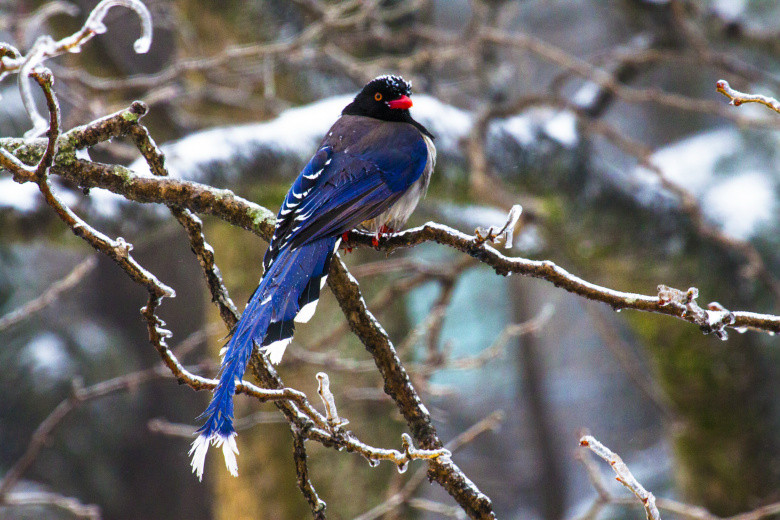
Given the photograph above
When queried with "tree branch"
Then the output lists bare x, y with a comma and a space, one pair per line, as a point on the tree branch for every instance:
738, 98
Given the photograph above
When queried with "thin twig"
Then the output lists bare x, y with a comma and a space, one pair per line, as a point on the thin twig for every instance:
302, 471
50, 295
624, 475
39, 498
738, 98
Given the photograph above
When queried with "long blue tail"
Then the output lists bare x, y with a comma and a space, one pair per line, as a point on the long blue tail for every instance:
288, 292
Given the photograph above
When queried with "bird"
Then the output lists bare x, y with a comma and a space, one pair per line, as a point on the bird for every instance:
370, 170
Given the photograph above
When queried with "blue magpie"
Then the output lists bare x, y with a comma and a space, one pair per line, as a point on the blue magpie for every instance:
370, 171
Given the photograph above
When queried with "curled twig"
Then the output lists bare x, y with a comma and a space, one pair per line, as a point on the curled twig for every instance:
46, 47
332, 414
507, 231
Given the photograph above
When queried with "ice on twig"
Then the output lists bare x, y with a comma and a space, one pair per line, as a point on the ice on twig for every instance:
329, 401
624, 475
507, 230
95, 21
712, 320
42, 46
99, 28
142, 44
511, 223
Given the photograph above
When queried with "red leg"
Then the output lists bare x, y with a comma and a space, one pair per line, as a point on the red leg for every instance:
345, 240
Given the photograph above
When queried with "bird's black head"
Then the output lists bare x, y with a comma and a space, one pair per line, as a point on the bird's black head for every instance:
385, 98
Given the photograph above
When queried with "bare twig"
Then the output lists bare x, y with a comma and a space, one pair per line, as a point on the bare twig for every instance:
489, 423
39, 498
302, 471
44, 430
50, 295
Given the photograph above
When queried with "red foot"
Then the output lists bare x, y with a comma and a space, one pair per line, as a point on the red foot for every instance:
345, 241
383, 230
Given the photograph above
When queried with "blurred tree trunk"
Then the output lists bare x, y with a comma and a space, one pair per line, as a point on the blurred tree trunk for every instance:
724, 436
550, 485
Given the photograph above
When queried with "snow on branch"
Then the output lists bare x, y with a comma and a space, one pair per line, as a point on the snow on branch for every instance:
738, 98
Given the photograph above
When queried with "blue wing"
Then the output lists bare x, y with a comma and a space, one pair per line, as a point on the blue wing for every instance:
339, 189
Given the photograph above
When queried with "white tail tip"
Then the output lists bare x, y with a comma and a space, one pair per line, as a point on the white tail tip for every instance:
200, 447
198, 453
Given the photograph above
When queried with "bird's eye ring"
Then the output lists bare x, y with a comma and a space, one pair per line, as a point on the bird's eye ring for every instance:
378, 96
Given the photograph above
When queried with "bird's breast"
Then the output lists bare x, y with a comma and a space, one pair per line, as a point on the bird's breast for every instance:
396, 215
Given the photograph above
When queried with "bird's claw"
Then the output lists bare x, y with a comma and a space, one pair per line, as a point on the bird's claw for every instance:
383, 230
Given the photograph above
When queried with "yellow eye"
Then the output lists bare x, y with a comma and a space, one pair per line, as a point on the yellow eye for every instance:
378, 96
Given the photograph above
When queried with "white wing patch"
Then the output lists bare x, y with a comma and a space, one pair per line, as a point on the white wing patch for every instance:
306, 312
314, 175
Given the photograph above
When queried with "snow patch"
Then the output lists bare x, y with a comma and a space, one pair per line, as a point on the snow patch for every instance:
295, 131
740, 204
731, 10
692, 161
520, 128
47, 356
19, 197
447, 123
562, 127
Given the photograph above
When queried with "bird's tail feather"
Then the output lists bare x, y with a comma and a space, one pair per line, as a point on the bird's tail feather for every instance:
288, 292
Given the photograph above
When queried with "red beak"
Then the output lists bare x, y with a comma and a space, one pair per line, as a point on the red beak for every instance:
402, 102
